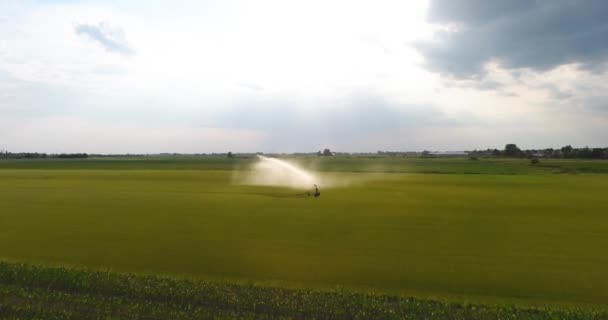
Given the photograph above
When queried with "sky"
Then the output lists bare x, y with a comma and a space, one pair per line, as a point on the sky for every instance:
299, 76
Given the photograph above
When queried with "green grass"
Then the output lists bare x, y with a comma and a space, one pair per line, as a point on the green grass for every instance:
490, 231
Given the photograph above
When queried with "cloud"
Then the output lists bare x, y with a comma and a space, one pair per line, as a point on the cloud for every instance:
349, 121
31, 99
474, 11
352, 115
556, 93
75, 134
251, 86
112, 39
539, 35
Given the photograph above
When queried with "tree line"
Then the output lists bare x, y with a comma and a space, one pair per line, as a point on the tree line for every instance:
37, 155
568, 152
510, 150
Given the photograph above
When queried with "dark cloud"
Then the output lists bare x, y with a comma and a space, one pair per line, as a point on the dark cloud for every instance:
475, 11
518, 34
112, 40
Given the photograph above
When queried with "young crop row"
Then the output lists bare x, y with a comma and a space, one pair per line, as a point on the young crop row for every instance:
36, 292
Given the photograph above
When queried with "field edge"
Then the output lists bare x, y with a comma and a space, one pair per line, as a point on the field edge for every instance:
34, 291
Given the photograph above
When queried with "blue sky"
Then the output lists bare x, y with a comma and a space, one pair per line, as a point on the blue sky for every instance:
297, 76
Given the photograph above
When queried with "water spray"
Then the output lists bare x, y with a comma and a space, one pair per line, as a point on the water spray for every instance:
276, 172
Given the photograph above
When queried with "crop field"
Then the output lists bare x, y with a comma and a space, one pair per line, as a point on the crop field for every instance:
490, 231
33, 292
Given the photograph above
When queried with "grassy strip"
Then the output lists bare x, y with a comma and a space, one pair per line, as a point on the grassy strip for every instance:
36, 292
333, 164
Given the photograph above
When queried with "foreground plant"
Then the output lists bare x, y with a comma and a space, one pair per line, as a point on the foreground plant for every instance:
37, 292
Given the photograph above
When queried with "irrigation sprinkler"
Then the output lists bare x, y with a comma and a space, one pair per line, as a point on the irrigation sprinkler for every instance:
315, 193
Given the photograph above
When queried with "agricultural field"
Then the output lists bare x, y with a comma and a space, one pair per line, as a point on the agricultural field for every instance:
431, 232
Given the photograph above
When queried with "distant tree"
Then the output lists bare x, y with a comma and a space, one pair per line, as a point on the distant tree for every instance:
496, 152
567, 151
557, 153
62, 156
584, 153
598, 153
511, 150
327, 152
534, 161
230, 154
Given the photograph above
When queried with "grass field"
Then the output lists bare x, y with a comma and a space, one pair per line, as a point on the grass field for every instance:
492, 230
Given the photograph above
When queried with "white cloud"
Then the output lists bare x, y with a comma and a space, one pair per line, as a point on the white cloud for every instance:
74, 134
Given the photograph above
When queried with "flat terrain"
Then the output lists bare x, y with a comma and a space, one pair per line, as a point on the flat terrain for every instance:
486, 230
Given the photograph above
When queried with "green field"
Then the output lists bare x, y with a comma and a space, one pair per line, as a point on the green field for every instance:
492, 230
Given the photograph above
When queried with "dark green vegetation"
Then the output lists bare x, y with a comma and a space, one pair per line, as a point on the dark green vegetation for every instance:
486, 231
57, 293
338, 164
568, 152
